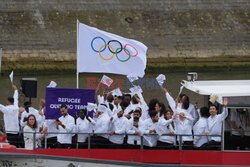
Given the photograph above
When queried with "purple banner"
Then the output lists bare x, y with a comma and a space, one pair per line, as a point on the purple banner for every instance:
75, 99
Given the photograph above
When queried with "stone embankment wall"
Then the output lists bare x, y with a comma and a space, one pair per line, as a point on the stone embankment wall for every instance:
43, 32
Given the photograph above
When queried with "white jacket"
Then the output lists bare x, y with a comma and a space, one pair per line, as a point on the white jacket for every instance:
184, 127
83, 126
131, 129
119, 127
10, 115
28, 135
69, 123
199, 129
215, 125
166, 127
150, 140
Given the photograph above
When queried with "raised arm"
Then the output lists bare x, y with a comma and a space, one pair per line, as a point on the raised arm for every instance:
15, 96
170, 100
224, 113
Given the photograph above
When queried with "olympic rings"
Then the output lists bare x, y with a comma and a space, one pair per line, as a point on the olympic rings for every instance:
114, 52
105, 47
133, 48
117, 48
118, 57
93, 41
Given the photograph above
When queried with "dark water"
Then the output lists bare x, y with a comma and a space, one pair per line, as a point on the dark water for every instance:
150, 87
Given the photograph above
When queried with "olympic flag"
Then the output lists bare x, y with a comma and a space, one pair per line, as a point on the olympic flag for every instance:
102, 52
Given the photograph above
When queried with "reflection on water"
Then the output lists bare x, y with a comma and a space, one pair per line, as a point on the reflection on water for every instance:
150, 88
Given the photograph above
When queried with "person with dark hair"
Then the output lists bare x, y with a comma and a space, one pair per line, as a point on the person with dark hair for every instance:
160, 108
166, 127
177, 105
152, 103
101, 128
149, 129
84, 124
134, 130
10, 116
28, 133
199, 129
240, 120
116, 103
184, 125
28, 111
65, 124
215, 125
118, 129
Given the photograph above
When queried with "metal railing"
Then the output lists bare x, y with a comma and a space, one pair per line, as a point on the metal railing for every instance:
178, 146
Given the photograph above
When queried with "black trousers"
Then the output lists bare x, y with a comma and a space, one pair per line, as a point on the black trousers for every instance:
65, 146
213, 145
186, 145
239, 141
13, 139
164, 145
100, 142
82, 145
51, 142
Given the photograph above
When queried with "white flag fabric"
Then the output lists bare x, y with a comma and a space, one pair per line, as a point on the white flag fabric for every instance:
91, 106
102, 52
180, 90
160, 79
116, 92
52, 84
106, 80
11, 76
132, 78
136, 89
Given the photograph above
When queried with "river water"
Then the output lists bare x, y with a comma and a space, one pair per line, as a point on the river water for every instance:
148, 84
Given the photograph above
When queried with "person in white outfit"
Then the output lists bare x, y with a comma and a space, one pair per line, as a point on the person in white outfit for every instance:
10, 116
31, 132
199, 129
166, 126
101, 128
150, 129
176, 105
84, 124
215, 125
65, 124
118, 127
28, 111
184, 125
134, 131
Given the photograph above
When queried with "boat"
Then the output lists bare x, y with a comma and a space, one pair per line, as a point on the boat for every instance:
238, 92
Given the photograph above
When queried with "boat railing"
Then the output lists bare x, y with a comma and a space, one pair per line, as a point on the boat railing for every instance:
177, 145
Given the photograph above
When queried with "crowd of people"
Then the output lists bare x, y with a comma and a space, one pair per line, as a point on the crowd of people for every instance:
124, 121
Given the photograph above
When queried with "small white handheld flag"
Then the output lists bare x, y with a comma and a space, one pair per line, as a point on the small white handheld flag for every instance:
136, 89
52, 84
116, 92
91, 106
132, 78
160, 79
180, 90
11, 76
106, 80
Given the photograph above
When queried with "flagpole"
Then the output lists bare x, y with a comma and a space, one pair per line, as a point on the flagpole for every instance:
77, 73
